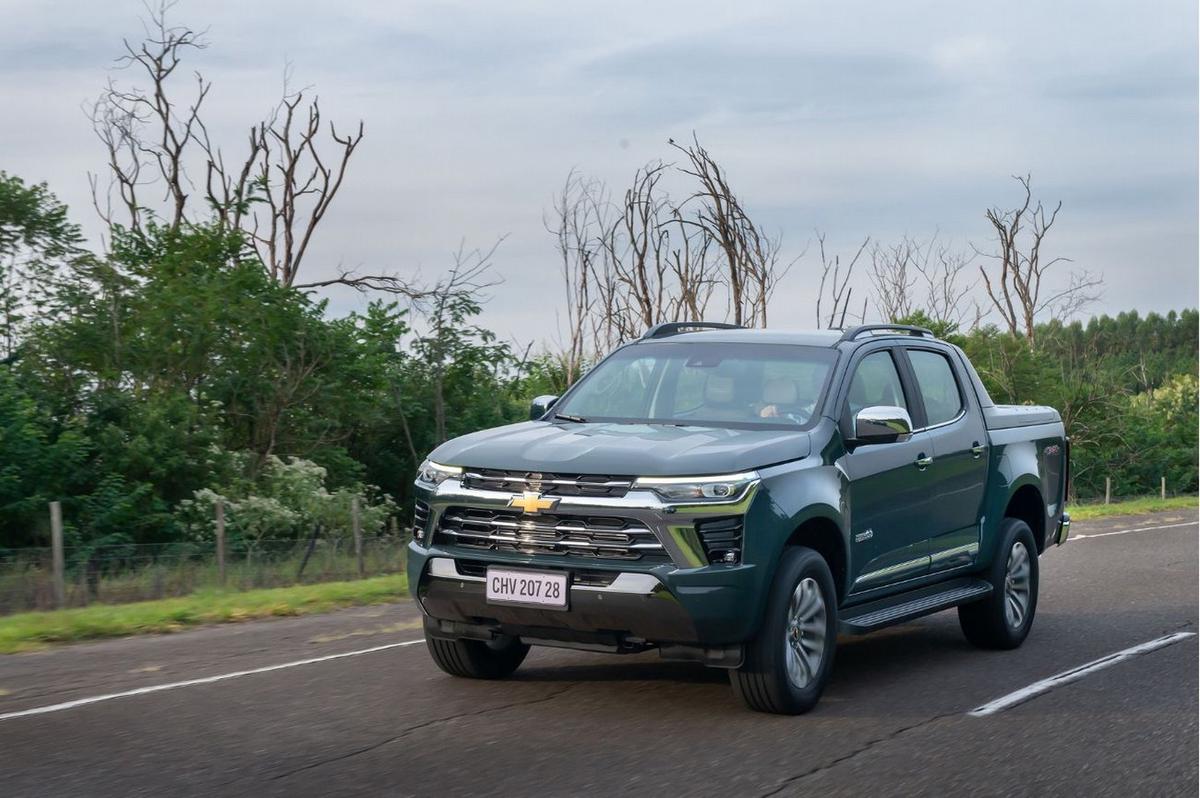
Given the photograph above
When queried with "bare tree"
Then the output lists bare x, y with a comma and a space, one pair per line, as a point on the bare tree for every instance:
837, 283
752, 263
626, 265
638, 246
277, 194
296, 185
574, 225
893, 278
148, 130
1016, 290
927, 276
947, 294
631, 263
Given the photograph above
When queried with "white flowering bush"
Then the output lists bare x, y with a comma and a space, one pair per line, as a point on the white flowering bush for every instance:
285, 500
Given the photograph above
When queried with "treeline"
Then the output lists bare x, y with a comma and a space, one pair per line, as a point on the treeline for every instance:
1126, 387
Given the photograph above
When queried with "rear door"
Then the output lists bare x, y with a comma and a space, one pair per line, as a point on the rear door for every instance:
888, 494
959, 441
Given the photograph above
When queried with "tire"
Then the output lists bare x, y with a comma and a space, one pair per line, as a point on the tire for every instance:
764, 683
477, 659
1002, 620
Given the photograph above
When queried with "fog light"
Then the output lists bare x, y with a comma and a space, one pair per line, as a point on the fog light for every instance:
730, 557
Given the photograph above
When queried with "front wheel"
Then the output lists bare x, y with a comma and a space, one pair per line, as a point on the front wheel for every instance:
789, 662
477, 659
1003, 619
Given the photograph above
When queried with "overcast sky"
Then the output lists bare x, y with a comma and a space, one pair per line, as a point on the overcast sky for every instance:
853, 118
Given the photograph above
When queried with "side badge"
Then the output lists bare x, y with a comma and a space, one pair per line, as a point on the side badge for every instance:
864, 535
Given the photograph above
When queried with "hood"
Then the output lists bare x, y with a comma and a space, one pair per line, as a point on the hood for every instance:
622, 449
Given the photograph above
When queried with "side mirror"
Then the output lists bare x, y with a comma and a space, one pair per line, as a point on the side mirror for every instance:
882, 424
540, 406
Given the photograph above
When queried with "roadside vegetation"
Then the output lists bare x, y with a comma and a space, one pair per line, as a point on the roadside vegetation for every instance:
1146, 504
33, 630
186, 363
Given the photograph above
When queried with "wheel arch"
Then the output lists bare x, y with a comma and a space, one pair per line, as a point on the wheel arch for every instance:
1027, 504
822, 531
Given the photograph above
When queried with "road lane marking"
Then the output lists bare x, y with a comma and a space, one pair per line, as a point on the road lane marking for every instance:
1074, 674
158, 688
1132, 529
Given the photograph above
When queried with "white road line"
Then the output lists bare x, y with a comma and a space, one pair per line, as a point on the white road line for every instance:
157, 688
1133, 529
1066, 677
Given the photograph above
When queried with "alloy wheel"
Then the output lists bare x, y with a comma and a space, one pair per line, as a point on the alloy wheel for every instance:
1016, 585
804, 633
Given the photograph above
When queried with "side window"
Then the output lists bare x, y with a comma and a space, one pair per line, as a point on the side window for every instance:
939, 389
875, 382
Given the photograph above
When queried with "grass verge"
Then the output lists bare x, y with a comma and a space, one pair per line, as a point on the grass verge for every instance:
1149, 504
33, 630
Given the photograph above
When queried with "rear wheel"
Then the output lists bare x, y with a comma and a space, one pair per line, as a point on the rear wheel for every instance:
1003, 619
477, 659
789, 662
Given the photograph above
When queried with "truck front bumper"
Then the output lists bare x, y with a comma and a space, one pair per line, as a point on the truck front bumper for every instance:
695, 614
668, 595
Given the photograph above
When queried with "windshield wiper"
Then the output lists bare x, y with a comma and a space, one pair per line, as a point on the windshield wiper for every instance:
568, 417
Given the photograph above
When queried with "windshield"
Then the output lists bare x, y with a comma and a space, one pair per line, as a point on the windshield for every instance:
704, 384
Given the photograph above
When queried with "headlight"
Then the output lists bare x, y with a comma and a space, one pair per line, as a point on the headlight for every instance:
720, 488
431, 473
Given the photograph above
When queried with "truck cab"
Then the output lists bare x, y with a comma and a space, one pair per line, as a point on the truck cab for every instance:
739, 498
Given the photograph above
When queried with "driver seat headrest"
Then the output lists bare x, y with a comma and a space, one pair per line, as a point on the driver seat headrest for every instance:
780, 391
718, 390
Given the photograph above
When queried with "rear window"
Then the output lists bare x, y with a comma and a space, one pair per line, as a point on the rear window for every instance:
938, 387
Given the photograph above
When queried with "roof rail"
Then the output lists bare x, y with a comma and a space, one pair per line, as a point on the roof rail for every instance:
908, 329
675, 327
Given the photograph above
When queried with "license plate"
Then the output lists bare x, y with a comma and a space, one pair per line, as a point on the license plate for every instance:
541, 589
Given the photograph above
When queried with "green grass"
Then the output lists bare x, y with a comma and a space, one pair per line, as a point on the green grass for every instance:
33, 630
1148, 504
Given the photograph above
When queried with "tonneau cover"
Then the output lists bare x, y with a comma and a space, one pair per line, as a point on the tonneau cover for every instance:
1009, 416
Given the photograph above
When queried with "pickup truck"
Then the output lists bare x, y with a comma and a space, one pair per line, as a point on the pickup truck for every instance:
740, 498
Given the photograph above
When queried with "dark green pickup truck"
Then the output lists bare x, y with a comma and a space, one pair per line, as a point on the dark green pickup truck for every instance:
740, 498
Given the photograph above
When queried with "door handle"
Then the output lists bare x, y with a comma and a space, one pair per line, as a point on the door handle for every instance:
923, 462
977, 450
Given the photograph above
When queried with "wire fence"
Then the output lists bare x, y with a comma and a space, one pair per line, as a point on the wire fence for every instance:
125, 572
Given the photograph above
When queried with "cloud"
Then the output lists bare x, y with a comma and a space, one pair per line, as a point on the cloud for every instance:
856, 118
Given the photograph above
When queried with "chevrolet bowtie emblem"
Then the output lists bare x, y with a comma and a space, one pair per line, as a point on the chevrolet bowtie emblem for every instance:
530, 502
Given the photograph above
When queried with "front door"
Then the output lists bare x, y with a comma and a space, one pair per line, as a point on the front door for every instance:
888, 494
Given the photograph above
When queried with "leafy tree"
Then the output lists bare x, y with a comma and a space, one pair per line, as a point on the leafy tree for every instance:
36, 238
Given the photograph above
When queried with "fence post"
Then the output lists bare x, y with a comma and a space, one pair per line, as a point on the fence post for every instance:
1162, 487
221, 542
356, 523
57, 560
1107, 489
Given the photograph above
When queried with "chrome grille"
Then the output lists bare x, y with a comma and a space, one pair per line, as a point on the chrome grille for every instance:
594, 537
547, 483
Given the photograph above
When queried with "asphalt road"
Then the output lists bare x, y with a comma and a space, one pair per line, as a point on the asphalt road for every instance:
894, 720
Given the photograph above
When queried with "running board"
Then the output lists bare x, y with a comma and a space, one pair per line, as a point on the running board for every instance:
907, 606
